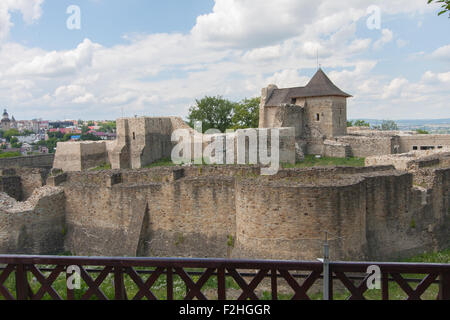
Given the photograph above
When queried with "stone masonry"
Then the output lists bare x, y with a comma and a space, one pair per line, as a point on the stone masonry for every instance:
373, 212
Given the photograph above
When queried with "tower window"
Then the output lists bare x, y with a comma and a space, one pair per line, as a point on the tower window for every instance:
317, 116
134, 136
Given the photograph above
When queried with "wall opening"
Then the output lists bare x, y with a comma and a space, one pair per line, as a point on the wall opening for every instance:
134, 135
317, 117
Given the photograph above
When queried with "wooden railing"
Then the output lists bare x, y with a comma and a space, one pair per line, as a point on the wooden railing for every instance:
46, 277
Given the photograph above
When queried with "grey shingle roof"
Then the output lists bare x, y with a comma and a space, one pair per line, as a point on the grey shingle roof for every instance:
319, 86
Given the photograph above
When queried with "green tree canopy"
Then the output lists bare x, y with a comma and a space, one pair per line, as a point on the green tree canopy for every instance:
389, 125
10, 133
246, 114
358, 123
57, 135
213, 112
445, 5
109, 126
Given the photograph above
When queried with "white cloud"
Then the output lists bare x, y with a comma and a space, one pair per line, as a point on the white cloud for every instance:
242, 46
31, 11
394, 88
56, 63
442, 53
386, 37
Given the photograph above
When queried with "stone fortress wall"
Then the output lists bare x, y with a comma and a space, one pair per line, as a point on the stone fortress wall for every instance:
311, 119
396, 206
37, 161
143, 141
231, 211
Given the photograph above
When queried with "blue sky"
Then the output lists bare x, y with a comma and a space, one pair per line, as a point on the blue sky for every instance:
155, 58
107, 21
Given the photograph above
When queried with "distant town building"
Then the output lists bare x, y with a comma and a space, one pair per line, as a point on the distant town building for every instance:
7, 123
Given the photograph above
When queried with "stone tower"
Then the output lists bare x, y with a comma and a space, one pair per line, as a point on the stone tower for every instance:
317, 111
5, 122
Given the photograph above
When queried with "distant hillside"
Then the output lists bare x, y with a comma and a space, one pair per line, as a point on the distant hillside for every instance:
418, 122
431, 125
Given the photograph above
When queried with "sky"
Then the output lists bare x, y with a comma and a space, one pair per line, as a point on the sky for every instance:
155, 58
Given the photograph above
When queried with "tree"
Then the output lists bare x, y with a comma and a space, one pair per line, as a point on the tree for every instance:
445, 5
57, 135
109, 126
15, 143
27, 133
389, 125
85, 129
421, 131
246, 114
213, 112
361, 123
66, 137
10, 133
89, 137
358, 123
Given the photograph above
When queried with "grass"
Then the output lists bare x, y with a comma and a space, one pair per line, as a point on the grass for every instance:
105, 166
10, 155
309, 161
161, 163
210, 288
313, 161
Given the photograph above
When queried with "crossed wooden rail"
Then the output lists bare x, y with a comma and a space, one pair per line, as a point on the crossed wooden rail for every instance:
24, 272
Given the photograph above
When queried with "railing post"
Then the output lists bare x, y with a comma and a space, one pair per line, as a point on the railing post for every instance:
119, 284
444, 286
169, 283
21, 282
221, 284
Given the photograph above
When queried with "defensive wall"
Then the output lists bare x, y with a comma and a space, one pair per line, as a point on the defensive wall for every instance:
143, 141
232, 211
36, 161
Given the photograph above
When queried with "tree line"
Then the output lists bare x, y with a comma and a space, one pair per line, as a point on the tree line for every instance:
223, 114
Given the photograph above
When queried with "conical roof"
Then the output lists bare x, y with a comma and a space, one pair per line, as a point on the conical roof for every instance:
322, 85
319, 86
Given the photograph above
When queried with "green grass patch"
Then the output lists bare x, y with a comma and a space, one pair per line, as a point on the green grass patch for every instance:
105, 166
10, 155
313, 161
161, 163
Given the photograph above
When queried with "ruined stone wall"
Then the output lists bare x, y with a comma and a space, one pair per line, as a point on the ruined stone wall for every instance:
77, 156
142, 141
31, 179
37, 161
231, 211
143, 215
408, 142
35, 226
336, 149
362, 146
414, 160
286, 116
282, 221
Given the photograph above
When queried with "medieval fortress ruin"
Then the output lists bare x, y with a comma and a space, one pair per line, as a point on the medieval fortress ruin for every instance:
397, 205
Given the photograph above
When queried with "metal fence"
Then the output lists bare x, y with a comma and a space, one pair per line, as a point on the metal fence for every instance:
47, 277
